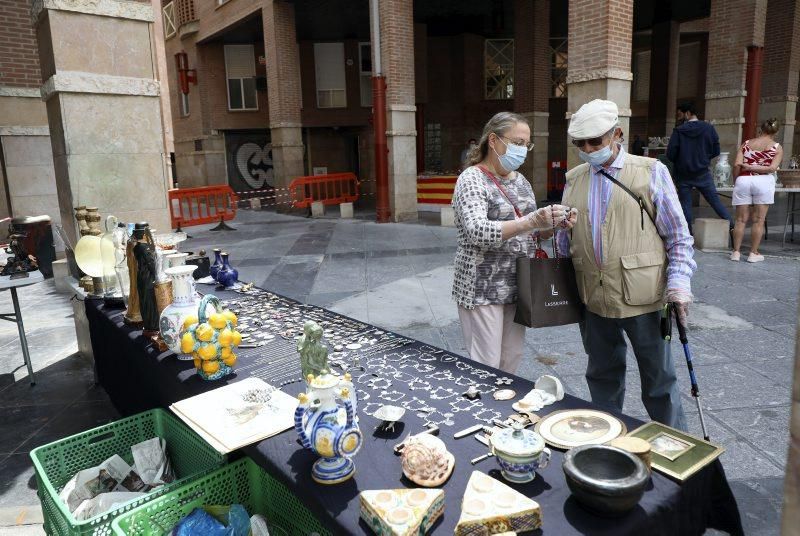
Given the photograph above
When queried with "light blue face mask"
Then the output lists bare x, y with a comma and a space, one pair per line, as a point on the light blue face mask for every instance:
514, 157
597, 158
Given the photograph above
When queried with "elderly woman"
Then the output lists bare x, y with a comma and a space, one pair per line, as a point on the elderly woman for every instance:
496, 217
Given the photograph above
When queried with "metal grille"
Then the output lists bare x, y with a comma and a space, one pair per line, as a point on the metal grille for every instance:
558, 53
185, 11
499, 68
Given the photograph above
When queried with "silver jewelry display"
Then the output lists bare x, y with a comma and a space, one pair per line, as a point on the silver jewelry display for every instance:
392, 396
442, 393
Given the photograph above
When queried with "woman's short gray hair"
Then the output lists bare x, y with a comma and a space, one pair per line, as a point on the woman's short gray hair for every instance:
499, 124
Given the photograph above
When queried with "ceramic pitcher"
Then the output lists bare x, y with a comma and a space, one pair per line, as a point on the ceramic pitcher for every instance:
322, 429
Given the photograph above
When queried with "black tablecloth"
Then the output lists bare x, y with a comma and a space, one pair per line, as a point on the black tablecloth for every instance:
138, 378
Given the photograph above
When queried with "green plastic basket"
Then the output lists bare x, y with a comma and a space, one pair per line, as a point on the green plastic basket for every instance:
56, 463
242, 482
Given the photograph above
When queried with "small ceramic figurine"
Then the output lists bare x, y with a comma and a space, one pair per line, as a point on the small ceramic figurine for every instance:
133, 315
322, 431
313, 354
145, 253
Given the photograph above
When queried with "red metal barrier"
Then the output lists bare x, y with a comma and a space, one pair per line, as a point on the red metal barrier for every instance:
196, 206
331, 189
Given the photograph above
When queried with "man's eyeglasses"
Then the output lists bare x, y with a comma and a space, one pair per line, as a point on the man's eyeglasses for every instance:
594, 142
519, 143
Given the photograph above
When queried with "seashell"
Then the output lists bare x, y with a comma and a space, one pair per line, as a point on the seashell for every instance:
550, 384
389, 413
426, 461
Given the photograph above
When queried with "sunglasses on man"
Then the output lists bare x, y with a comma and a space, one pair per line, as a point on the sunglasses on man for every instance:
594, 142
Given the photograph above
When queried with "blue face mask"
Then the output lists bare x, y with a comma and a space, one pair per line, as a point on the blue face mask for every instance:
597, 158
514, 157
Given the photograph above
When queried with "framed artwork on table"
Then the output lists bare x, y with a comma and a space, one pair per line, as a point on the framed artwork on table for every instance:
675, 453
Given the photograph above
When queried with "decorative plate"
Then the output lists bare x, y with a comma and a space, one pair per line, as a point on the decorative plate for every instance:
574, 427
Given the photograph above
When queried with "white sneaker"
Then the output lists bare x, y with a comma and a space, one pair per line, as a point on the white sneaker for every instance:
735, 256
755, 257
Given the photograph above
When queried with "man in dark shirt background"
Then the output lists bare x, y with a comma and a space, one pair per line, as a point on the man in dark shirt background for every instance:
691, 147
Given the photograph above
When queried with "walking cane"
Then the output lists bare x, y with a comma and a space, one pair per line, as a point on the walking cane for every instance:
670, 310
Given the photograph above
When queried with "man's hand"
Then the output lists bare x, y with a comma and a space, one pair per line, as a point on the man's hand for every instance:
680, 299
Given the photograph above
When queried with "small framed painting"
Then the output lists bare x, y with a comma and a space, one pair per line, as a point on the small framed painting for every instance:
676, 453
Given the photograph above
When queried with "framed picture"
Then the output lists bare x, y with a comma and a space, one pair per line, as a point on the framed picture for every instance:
675, 453
574, 427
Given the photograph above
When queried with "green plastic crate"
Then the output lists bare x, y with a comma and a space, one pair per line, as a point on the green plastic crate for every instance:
56, 463
242, 482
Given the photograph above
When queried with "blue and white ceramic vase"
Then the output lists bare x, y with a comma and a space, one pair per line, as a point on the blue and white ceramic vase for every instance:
519, 453
214, 268
227, 275
184, 304
323, 429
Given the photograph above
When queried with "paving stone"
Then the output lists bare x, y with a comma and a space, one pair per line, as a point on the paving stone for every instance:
17, 481
741, 460
21, 422
766, 428
745, 344
733, 385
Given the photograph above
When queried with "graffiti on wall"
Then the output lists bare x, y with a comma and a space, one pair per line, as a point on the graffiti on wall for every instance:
249, 157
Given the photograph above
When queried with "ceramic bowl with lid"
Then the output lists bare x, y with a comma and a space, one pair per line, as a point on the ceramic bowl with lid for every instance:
519, 453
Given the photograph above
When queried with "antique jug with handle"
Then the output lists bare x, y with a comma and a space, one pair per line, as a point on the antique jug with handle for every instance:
325, 431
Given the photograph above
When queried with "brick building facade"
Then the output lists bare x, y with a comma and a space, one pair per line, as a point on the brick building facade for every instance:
283, 87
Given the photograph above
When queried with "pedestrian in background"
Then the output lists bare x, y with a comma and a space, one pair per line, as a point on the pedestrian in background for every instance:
495, 216
755, 162
691, 147
632, 252
637, 147
471, 144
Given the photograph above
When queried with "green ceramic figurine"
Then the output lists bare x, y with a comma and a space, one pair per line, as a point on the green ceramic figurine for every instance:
313, 354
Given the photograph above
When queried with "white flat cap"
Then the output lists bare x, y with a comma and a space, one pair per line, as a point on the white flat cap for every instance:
593, 119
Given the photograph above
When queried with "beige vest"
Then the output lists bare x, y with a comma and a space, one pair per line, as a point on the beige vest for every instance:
633, 273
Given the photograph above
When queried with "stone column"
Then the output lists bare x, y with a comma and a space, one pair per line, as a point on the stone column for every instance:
101, 93
283, 95
397, 52
532, 83
664, 53
735, 25
599, 36
782, 65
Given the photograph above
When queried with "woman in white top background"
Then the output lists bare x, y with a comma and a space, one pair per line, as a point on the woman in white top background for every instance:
756, 161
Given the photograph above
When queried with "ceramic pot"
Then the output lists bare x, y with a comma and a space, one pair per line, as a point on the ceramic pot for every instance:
93, 221
519, 453
322, 431
176, 259
80, 217
184, 304
214, 269
605, 480
227, 275
722, 171
212, 339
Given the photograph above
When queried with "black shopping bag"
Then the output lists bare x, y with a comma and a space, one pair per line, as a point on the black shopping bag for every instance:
547, 293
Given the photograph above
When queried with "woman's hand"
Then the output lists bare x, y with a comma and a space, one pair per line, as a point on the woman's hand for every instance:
570, 218
543, 218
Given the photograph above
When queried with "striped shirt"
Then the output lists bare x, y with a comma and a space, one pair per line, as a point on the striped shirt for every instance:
670, 221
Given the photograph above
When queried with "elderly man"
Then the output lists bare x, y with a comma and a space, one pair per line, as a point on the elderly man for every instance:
632, 252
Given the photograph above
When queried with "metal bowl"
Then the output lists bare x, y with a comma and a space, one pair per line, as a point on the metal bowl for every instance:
605, 480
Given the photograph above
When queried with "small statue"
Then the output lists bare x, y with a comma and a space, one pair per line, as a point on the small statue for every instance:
313, 354
146, 271
21, 261
133, 315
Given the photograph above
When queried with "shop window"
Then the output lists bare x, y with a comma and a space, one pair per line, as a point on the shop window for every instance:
168, 12
498, 61
365, 73
240, 71
433, 147
329, 69
184, 100
558, 72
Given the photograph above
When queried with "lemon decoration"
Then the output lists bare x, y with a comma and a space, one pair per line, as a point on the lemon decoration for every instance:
210, 367
225, 337
218, 321
211, 338
191, 319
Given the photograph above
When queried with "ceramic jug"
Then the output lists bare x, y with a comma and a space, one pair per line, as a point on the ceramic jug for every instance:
227, 275
214, 269
722, 171
323, 430
184, 304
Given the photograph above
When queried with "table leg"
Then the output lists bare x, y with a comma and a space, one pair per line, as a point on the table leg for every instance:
22, 339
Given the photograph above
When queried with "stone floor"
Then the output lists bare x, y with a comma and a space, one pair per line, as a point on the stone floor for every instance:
398, 276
